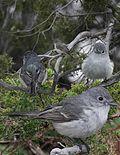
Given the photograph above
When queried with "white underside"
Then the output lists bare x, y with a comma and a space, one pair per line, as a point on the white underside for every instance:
97, 67
83, 128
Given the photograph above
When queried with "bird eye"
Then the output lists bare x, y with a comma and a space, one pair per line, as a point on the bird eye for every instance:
103, 51
100, 98
37, 71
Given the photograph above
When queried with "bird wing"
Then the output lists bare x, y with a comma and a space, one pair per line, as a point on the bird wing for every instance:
63, 112
24, 78
42, 76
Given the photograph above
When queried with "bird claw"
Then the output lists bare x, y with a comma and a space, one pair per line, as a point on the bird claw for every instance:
85, 148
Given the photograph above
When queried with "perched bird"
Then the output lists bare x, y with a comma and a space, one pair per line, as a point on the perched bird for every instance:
98, 64
32, 73
78, 116
61, 46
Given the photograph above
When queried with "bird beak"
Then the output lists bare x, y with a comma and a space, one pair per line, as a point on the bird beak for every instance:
112, 103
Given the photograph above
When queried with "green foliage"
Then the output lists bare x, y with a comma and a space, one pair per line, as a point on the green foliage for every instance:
5, 64
28, 128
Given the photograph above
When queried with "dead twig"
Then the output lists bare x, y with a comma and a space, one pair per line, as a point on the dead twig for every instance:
11, 87
35, 149
82, 35
86, 14
109, 35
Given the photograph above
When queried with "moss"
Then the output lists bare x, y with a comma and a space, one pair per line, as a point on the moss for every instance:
28, 129
5, 64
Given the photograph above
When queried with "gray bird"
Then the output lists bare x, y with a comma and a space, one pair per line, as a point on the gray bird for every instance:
32, 73
62, 46
98, 64
78, 116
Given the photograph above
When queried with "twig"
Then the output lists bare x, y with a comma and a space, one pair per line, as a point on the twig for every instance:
11, 87
10, 141
35, 149
44, 32
38, 31
108, 35
29, 30
69, 71
66, 5
114, 116
50, 56
38, 36
83, 35
14, 149
86, 13
57, 64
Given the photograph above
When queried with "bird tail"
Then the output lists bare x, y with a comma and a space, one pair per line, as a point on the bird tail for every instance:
49, 114
34, 114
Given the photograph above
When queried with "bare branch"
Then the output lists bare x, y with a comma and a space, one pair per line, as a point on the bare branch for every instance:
86, 13
37, 40
10, 141
66, 5
40, 24
44, 32
11, 87
57, 64
69, 71
35, 149
38, 31
108, 35
83, 35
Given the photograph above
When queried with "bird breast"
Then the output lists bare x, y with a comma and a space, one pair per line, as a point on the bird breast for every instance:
97, 67
92, 121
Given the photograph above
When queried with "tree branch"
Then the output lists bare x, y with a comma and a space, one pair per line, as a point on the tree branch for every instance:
82, 35
108, 35
45, 21
86, 13
35, 149
11, 87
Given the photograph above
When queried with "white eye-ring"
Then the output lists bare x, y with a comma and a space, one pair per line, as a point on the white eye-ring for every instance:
100, 98
38, 71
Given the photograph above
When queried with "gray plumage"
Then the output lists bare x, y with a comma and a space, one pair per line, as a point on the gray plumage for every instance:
32, 73
78, 116
98, 64
59, 45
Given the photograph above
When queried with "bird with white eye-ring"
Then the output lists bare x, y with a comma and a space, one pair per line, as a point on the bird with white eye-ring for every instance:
98, 64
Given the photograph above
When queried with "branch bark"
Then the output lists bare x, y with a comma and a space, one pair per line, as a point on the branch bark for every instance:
109, 35
83, 35
11, 87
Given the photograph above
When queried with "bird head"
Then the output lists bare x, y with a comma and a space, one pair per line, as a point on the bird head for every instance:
100, 48
101, 96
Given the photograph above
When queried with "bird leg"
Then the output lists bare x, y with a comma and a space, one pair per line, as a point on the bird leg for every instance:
86, 145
